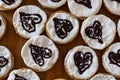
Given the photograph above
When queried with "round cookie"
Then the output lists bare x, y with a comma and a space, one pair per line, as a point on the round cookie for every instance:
52, 4
111, 59
2, 26
102, 76
84, 8
118, 28
81, 62
23, 74
98, 31
62, 27
6, 61
113, 6
29, 21
41, 52
9, 4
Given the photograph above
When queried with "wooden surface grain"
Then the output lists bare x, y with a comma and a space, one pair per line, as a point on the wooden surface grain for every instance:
14, 42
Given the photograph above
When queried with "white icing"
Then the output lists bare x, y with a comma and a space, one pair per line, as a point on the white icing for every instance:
50, 27
41, 41
111, 68
108, 31
4, 6
102, 77
7, 54
82, 11
118, 27
51, 4
25, 73
2, 26
31, 9
73, 70
112, 6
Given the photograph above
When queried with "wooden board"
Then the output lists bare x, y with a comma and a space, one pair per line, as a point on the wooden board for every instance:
15, 43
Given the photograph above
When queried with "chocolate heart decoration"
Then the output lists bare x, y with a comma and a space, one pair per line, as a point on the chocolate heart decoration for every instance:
29, 21
83, 61
3, 61
95, 31
19, 77
86, 3
56, 0
9, 2
39, 54
114, 58
116, 1
62, 27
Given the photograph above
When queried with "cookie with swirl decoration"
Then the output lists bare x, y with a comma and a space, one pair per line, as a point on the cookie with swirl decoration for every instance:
98, 31
40, 53
81, 62
23, 74
9, 4
62, 27
111, 59
52, 4
84, 8
29, 21
6, 61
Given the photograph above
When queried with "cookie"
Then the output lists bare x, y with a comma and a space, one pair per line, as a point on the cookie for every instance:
84, 8
111, 59
113, 6
6, 61
29, 21
102, 76
2, 26
52, 4
81, 62
98, 31
40, 53
9, 4
23, 74
62, 27
118, 28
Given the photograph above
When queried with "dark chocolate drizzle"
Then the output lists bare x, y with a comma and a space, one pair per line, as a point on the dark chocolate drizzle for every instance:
86, 3
39, 54
9, 2
116, 1
0, 22
19, 77
3, 61
114, 58
62, 27
29, 21
95, 31
55, 0
83, 61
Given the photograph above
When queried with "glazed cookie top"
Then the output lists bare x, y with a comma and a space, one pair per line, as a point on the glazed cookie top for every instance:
111, 59
118, 28
98, 31
29, 21
62, 27
23, 74
84, 8
81, 62
6, 61
101, 76
41, 52
9, 4
113, 6
2, 26
53, 4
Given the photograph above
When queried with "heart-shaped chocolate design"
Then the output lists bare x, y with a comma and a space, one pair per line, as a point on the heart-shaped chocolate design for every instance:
39, 54
116, 1
29, 21
95, 31
62, 27
114, 58
56, 0
86, 3
83, 61
19, 77
3, 61
9, 2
